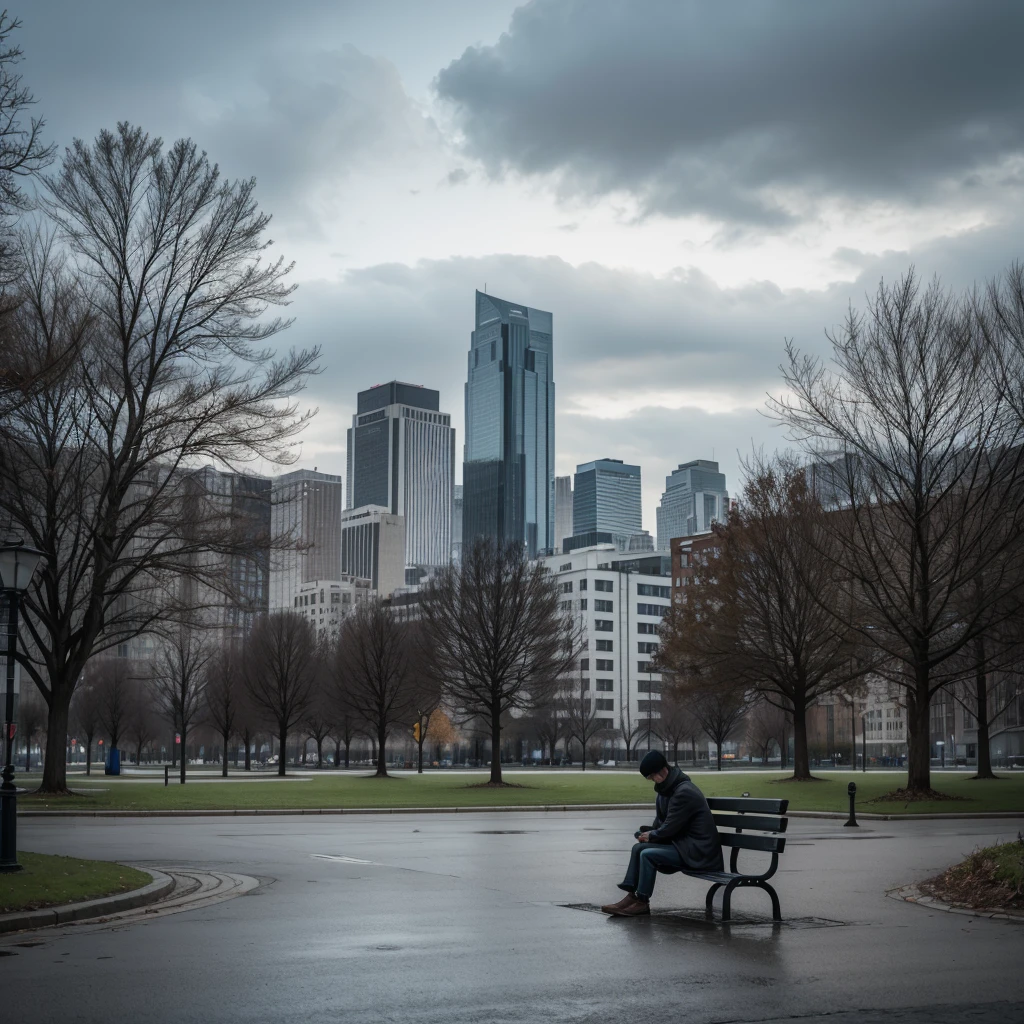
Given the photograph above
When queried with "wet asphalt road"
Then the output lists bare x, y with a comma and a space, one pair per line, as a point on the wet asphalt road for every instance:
460, 918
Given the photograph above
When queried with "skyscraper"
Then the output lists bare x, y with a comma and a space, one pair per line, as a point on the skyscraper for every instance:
606, 497
401, 457
563, 510
509, 469
695, 496
305, 523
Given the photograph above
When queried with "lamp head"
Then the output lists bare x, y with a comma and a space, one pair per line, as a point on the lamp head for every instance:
18, 562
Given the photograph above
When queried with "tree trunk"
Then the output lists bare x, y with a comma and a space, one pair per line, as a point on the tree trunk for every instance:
981, 696
919, 772
247, 741
138, 754
382, 764
801, 763
282, 757
320, 752
675, 752
88, 754
55, 778
225, 736
184, 756
347, 742
718, 751
495, 749
420, 744
337, 754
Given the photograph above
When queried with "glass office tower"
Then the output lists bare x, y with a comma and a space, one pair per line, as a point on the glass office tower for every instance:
606, 497
509, 469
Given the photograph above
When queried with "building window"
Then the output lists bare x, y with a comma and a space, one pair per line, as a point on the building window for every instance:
646, 647
605, 685
648, 628
605, 586
584, 685
565, 567
604, 625
645, 666
565, 606
567, 587
649, 590
649, 706
583, 604
604, 704
585, 663
651, 609
583, 585
603, 606
605, 665
606, 645
335, 598
646, 687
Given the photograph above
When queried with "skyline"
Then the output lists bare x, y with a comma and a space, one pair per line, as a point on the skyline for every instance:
670, 182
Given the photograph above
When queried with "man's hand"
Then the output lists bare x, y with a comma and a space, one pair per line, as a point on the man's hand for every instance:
644, 837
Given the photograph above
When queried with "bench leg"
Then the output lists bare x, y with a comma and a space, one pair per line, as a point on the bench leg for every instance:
776, 909
710, 897
727, 900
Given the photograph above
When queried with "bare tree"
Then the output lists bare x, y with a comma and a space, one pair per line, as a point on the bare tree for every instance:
31, 721
142, 725
161, 271
85, 717
498, 640
765, 609
113, 689
630, 730
281, 673
426, 689
318, 720
223, 696
179, 682
677, 723
926, 458
766, 724
582, 721
718, 704
372, 672
550, 723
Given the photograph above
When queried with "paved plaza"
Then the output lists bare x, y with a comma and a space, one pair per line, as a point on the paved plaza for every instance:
488, 918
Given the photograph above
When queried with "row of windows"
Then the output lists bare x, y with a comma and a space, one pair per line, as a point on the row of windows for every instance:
602, 664
646, 647
645, 666
649, 628
304, 600
651, 609
425, 417
605, 645
650, 590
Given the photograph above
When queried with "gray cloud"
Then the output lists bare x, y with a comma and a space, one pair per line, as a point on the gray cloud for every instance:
723, 109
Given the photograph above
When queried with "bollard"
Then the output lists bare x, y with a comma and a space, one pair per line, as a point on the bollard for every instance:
852, 790
166, 774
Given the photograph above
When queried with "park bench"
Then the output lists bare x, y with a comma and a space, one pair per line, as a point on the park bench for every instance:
746, 815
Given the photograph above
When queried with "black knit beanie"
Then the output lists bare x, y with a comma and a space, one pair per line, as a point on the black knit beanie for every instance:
654, 761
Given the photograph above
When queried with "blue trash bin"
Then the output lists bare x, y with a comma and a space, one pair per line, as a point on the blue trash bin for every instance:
112, 765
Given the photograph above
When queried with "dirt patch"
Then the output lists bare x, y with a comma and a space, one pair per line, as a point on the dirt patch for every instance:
793, 778
496, 785
912, 796
991, 878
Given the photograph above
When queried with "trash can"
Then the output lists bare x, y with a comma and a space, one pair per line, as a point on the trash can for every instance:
112, 765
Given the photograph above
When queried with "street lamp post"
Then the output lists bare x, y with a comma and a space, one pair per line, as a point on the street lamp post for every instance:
18, 562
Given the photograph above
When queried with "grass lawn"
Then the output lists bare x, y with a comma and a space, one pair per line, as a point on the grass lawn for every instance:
459, 789
50, 881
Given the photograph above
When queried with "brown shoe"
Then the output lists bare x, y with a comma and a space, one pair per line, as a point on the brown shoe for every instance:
634, 908
614, 908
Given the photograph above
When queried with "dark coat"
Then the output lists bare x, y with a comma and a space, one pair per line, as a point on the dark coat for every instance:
684, 820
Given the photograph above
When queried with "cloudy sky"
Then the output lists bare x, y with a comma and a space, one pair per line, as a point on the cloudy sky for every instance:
684, 185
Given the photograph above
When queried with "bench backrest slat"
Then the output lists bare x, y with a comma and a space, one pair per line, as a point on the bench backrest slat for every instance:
752, 822
769, 844
755, 805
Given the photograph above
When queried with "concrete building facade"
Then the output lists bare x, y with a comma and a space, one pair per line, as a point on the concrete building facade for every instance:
373, 548
695, 497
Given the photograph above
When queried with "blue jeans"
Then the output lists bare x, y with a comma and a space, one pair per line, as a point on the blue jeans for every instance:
644, 861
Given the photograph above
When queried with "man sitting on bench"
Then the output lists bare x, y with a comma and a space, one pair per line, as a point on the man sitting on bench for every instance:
682, 838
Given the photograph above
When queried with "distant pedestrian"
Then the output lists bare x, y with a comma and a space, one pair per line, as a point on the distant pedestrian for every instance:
683, 836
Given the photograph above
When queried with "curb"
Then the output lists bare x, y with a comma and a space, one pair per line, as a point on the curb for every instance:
157, 889
514, 808
912, 894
